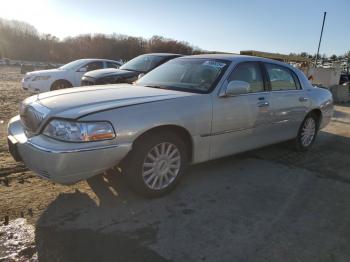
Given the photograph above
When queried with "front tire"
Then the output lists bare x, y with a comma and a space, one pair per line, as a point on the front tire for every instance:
155, 165
60, 84
307, 133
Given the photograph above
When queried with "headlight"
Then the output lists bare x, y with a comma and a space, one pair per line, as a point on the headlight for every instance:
26, 78
38, 78
74, 131
108, 80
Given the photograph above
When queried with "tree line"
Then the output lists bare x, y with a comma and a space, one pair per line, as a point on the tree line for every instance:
324, 58
21, 41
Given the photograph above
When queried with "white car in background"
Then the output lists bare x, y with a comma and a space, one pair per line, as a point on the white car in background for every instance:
68, 75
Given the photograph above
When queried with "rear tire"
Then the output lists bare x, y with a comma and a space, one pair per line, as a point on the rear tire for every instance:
60, 84
155, 165
307, 133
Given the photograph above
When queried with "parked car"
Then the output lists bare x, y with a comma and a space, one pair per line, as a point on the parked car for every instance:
344, 79
188, 110
66, 76
129, 72
6, 61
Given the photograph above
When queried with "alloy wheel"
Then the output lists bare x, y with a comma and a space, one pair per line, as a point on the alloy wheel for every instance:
161, 166
308, 132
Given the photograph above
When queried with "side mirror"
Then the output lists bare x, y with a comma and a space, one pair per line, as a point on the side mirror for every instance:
237, 88
82, 69
140, 75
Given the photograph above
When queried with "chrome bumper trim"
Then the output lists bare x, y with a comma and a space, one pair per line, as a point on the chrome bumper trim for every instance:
55, 151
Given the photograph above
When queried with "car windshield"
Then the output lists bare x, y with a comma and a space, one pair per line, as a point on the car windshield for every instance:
142, 63
71, 65
186, 74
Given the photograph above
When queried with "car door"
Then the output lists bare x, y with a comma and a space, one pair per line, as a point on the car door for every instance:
95, 65
241, 122
289, 102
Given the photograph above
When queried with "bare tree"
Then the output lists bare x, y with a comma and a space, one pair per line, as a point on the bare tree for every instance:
21, 41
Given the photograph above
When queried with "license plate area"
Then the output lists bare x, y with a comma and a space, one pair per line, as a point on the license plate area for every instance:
12, 145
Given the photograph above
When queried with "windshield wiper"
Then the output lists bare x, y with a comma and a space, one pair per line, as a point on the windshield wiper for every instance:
131, 70
157, 86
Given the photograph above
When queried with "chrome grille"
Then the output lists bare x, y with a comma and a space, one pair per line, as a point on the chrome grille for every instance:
31, 117
43, 173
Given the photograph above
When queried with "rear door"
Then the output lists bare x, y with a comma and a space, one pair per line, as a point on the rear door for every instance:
289, 102
241, 122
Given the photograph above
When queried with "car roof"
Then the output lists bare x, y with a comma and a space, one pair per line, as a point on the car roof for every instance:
231, 57
238, 58
98, 59
163, 54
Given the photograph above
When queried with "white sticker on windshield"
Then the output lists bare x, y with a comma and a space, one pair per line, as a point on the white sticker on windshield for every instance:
214, 63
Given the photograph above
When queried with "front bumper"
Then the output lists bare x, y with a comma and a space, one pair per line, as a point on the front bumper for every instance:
88, 81
62, 162
36, 87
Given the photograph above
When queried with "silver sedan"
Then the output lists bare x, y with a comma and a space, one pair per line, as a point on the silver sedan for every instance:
189, 110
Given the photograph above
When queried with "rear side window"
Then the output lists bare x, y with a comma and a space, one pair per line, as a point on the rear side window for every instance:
281, 78
249, 72
94, 66
112, 65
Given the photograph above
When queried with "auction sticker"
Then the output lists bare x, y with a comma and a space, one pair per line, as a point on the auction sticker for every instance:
214, 63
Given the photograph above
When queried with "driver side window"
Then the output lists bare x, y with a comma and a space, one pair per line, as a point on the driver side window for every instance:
249, 72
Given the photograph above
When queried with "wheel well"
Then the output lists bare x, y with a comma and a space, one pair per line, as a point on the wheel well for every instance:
317, 112
60, 80
178, 130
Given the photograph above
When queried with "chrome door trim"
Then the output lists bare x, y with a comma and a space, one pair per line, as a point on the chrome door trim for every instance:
226, 132
232, 130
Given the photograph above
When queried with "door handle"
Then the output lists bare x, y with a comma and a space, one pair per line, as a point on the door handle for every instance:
303, 99
263, 104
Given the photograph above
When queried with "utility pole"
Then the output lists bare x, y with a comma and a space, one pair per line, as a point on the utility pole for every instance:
319, 42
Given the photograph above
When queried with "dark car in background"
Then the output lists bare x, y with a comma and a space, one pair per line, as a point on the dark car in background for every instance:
344, 79
129, 72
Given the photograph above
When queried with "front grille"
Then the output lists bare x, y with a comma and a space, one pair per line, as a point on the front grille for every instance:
31, 118
87, 81
44, 173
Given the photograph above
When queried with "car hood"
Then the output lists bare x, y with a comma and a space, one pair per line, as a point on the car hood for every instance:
45, 72
76, 102
110, 72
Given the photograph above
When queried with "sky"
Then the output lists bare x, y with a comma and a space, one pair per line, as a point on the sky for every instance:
218, 25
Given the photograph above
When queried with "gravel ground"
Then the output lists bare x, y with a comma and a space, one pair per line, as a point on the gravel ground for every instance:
270, 204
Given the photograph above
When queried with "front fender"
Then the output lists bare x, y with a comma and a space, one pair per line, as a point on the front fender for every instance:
193, 113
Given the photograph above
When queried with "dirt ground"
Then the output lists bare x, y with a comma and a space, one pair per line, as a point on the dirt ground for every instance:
270, 204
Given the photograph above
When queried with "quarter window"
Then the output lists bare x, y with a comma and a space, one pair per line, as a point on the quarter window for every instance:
251, 73
281, 78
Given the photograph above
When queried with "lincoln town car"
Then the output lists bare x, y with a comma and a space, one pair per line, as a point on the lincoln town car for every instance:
189, 110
